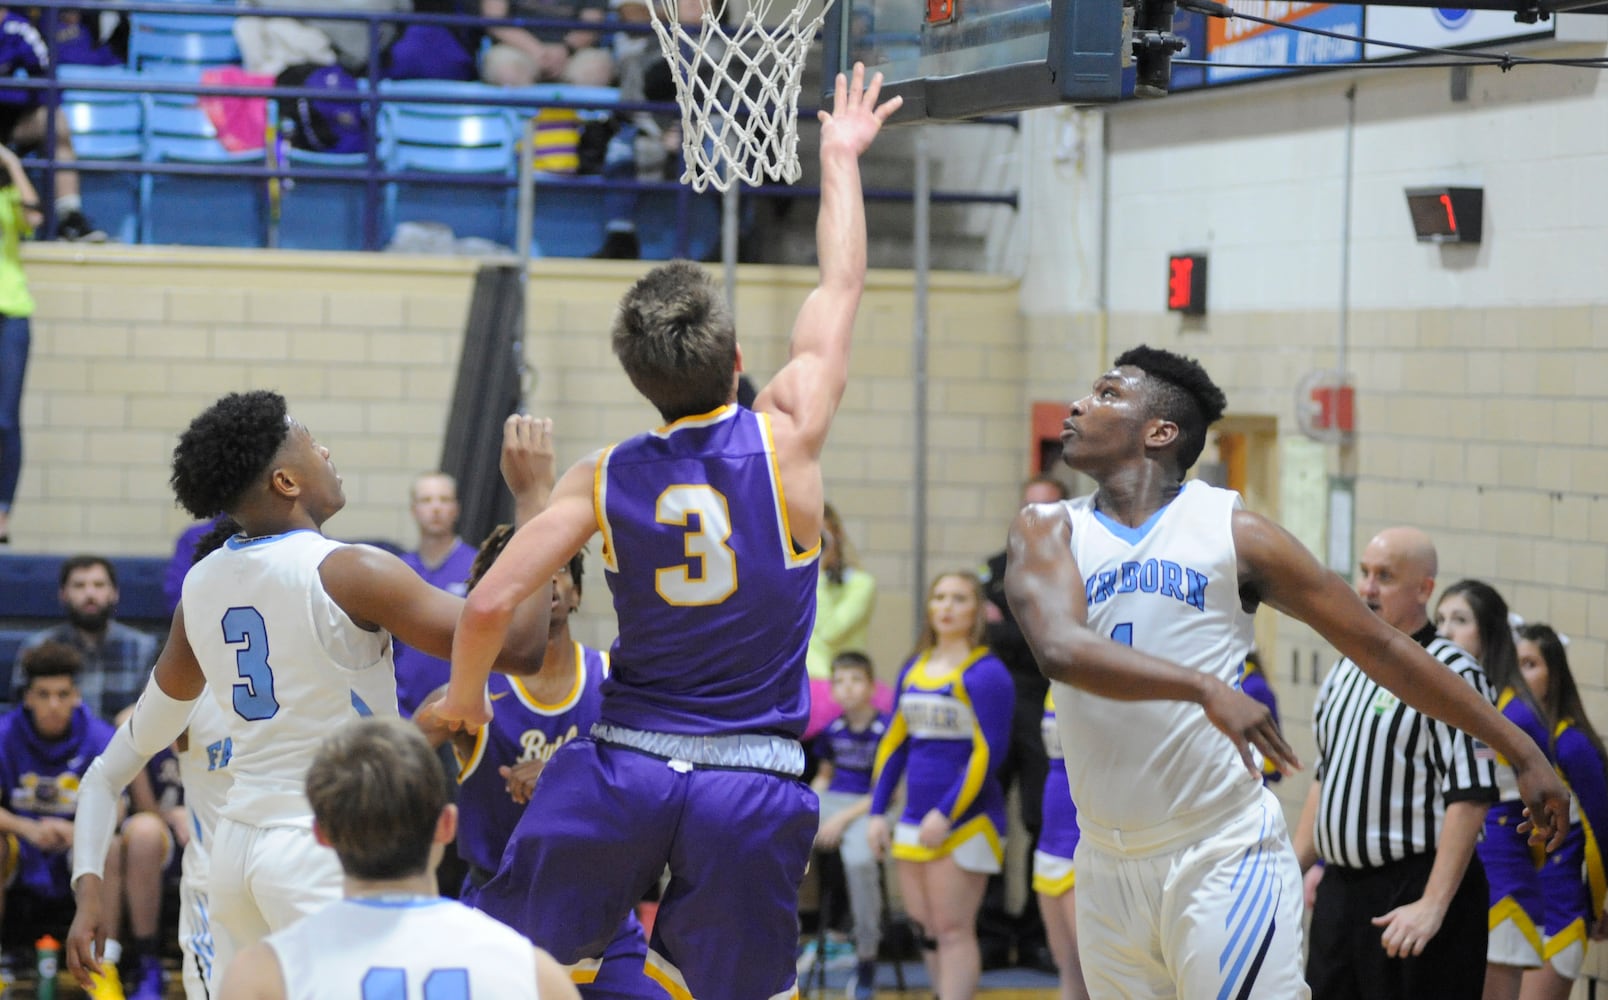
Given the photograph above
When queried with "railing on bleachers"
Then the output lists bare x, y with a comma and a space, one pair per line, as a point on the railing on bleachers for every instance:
154, 170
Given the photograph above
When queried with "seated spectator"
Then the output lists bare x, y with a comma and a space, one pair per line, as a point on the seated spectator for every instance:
23, 120
434, 51
46, 745
117, 659
89, 38
523, 56
269, 45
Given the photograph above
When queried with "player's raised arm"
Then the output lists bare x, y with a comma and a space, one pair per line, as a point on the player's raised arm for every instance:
532, 556
1046, 594
1290, 579
809, 386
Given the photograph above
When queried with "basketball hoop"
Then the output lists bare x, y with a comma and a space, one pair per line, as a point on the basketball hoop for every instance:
738, 87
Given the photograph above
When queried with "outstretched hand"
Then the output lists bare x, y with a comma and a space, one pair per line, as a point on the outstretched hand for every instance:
1249, 723
529, 460
855, 117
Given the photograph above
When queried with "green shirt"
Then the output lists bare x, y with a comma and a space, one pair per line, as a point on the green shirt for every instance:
842, 612
15, 300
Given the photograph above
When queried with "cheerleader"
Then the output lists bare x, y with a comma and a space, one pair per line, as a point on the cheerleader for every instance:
948, 735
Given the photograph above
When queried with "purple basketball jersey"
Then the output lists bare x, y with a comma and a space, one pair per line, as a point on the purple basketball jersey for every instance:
418, 674
715, 600
522, 728
852, 753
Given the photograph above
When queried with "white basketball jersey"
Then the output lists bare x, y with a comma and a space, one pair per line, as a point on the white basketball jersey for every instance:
403, 948
1169, 588
285, 664
206, 776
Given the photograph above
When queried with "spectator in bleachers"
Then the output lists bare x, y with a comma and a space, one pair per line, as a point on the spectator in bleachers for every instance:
23, 120
648, 144
444, 560
46, 745
17, 219
117, 658
89, 38
268, 45
434, 51
520, 57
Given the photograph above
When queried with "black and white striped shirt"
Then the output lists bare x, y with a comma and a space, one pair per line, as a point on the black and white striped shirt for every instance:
1385, 772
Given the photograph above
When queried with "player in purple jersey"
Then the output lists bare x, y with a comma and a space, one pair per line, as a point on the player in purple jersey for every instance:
711, 529
1574, 880
533, 715
444, 560
847, 751
1474, 615
948, 737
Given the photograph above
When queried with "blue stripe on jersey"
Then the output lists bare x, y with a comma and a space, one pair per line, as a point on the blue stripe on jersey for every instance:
1254, 925
715, 606
361, 706
1132, 536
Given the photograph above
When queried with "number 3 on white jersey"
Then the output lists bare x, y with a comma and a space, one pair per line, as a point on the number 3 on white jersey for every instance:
709, 575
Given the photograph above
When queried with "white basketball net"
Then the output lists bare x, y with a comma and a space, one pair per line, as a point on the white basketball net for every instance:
738, 88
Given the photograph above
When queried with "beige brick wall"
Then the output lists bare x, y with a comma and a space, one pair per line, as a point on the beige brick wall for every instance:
1482, 426
131, 343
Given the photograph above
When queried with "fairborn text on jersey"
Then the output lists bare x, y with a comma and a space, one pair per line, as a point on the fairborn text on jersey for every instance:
1149, 577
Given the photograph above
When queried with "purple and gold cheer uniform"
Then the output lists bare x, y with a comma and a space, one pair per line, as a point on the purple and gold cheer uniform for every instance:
1058, 839
1511, 867
1574, 879
949, 735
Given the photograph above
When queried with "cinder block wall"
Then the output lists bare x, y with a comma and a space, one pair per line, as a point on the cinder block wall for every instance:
130, 343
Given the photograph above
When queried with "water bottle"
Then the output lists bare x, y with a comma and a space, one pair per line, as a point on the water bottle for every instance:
47, 951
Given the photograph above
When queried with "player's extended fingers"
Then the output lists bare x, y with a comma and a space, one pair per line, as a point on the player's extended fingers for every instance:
873, 87
1244, 747
857, 84
81, 959
1276, 749
840, 94
888, 107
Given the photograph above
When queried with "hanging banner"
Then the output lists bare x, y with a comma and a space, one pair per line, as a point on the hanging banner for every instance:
1269, 49
1446, 28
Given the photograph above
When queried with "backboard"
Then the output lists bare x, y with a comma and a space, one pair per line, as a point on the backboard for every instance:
955, 59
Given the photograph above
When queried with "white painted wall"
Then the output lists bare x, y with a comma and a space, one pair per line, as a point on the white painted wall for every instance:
1254, 177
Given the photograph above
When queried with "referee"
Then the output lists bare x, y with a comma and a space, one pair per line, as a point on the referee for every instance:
1399, 800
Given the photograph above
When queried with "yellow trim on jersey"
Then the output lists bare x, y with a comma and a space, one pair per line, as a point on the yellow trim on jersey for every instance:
584, 972
535, 704
789, 545
1508, 909
898, 731
1596, 877
957, 836
1560, 942
599, 496
1502, 700
467, 767
10, 859
1058, 886
1049, 702
977, 764
659, 969
714, 416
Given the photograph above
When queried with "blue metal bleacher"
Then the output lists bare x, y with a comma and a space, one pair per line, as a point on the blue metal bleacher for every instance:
106, 125
190, 40
318, 214
466, 139
192, 209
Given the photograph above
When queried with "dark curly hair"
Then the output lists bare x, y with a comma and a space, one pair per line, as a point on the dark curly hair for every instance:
497, 539
1177, 389
226, 449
